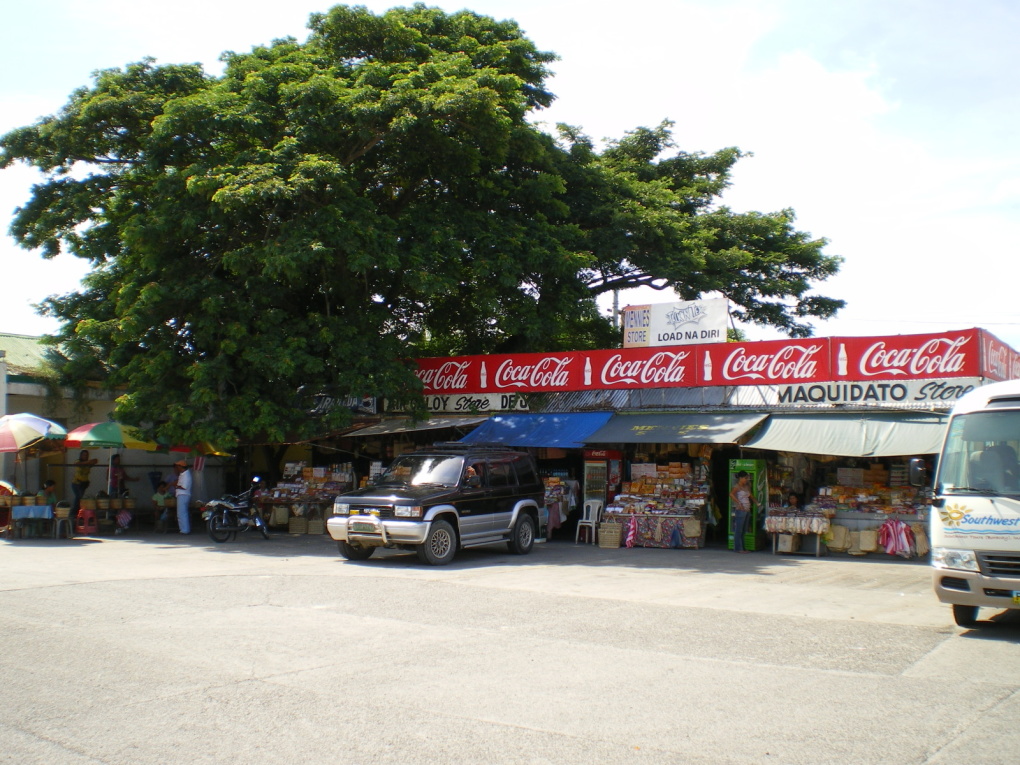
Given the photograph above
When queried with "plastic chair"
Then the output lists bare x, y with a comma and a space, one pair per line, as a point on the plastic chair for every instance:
590, 516
87, 523
61, 520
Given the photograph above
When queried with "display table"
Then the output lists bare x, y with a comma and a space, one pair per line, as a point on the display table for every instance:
800, 523
661, 530
296, 512
28, 518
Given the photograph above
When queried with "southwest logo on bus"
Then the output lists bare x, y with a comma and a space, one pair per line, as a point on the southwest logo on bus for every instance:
952, 515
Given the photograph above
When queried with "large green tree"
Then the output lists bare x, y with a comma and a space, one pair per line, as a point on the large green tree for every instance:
327, 210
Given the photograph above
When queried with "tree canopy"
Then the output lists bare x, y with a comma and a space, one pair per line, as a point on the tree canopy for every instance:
326, 211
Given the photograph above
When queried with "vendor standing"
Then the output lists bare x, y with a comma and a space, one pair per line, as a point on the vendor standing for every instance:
117, 478
182, 491
82, 477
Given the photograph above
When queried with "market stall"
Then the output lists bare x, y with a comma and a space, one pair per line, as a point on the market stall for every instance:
570, 472
850, 472
662, 506
303, 499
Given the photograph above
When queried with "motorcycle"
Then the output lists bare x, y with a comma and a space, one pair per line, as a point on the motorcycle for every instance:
231, 514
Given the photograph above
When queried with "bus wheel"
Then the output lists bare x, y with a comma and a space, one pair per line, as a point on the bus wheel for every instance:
965, 616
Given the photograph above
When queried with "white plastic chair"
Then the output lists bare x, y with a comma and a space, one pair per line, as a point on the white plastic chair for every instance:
590, 516
59, 523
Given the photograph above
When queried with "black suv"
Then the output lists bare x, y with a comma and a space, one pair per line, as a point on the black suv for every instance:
440, 499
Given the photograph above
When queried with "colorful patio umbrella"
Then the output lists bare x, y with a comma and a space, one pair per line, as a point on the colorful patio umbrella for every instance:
203, 448
108, 435
20, 431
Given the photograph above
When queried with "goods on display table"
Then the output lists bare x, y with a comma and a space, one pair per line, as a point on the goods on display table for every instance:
661, 506
863, 510
787, 526
302, 500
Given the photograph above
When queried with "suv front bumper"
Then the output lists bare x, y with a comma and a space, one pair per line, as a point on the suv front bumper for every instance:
370, 531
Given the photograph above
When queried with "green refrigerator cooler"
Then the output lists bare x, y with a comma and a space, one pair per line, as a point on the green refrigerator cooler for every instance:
754, 537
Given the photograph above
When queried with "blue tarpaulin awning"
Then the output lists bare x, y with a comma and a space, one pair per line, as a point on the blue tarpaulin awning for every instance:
567, 430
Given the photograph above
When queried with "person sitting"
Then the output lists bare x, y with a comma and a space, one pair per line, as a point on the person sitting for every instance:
48, 493
1008, 461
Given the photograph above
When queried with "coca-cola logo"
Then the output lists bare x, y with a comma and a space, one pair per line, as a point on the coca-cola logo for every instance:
664, 367
936, 357
549, 372
1001, 361
996, 360
449, 376
791, 362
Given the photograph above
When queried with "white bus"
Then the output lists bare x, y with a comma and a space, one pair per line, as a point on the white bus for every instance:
975, 518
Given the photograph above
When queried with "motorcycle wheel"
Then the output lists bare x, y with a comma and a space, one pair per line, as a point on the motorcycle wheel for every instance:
216, 531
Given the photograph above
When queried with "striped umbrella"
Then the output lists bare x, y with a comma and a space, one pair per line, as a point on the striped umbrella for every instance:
20, 431
108, 435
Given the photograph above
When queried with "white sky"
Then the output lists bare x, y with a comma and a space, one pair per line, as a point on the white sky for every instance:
887, 125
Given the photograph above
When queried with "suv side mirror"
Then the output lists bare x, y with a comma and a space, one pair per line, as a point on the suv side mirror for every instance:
473, 481
918, 472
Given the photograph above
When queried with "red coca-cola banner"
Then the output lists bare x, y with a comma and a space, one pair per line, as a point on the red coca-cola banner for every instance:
765, 363
998, 360
906, 357
964, 353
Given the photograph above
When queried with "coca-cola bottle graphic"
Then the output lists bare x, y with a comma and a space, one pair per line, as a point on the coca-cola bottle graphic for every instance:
706, 374
841, 361
587, 371
484, 377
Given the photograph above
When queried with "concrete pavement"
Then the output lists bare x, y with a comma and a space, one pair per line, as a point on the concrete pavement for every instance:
877, 588
167, 649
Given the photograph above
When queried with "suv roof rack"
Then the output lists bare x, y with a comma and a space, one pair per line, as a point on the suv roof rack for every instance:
460, 446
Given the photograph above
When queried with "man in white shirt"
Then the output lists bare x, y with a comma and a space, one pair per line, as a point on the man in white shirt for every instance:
182, 490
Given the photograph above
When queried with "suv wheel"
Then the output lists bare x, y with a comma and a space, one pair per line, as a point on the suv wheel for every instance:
354, 552
439, 546
523, 537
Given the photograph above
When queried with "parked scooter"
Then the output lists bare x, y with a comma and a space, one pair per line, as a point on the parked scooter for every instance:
226, 516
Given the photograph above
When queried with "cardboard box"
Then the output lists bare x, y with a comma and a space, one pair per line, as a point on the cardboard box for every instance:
788, 543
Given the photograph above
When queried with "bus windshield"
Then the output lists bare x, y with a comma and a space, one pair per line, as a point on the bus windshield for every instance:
980, 455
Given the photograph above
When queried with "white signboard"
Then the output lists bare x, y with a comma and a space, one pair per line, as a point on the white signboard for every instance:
687, 323
939, 394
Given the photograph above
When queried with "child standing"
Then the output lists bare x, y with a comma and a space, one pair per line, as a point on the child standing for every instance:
159, 505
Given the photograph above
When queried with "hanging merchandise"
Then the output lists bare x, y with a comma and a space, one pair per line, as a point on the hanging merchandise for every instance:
897, 538
631, 532
921, 546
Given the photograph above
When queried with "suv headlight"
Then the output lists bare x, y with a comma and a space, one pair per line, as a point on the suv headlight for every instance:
341, 508
407, 512
963, 560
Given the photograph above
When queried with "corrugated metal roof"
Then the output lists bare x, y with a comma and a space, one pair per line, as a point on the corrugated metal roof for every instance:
25, 354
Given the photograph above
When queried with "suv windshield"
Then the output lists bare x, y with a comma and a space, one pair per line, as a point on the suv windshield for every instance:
420, 469
981, 454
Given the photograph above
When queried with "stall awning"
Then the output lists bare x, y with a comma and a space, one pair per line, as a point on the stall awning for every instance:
673, 428
407, 425
551, 430
878, 434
